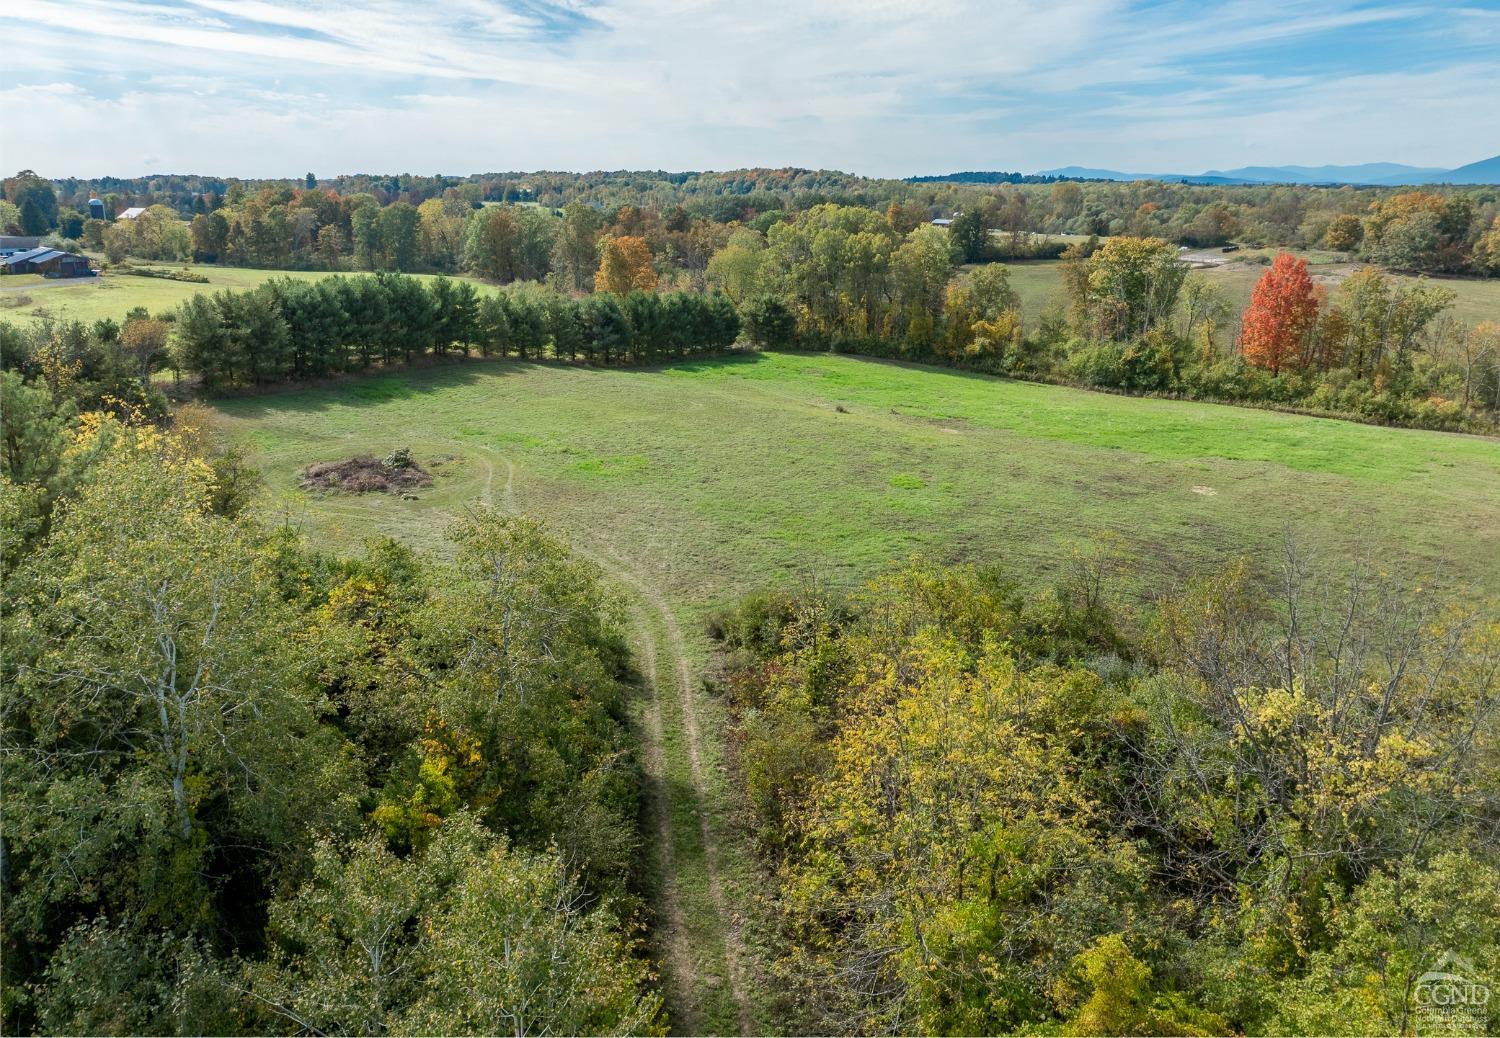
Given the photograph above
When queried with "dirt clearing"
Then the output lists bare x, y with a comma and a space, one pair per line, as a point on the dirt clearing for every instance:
366, 474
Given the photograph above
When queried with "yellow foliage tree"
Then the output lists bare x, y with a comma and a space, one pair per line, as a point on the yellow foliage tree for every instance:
625, 266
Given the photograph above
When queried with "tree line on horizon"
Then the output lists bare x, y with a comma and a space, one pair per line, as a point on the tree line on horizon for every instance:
423, 224
620, 287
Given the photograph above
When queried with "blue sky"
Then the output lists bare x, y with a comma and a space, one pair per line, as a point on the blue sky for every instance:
883, 87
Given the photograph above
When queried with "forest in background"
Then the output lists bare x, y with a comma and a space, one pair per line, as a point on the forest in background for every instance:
830, 262
280, 223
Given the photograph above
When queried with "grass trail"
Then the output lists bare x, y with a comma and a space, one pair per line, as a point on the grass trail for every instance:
703, 962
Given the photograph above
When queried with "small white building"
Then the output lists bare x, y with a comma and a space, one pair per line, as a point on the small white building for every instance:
132, 213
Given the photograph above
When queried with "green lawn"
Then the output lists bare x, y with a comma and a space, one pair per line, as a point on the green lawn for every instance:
726, 475
22, 281
111, 295
1039, 284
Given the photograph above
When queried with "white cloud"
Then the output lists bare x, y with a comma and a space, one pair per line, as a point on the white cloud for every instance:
272, 87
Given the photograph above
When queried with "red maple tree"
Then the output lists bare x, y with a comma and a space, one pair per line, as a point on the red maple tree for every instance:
1281, 315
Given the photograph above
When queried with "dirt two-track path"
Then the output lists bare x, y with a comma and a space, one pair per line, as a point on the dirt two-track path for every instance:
679, 830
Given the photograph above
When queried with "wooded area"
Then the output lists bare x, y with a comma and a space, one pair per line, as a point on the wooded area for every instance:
251, 787
987, 809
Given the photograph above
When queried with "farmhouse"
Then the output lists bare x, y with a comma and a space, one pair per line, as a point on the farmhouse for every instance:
132, 212
50, 262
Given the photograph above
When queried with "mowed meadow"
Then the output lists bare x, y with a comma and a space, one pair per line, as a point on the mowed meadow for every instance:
717, 477
112, 294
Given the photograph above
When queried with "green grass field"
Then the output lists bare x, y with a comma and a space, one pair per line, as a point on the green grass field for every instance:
697, 482
111, 295
727, 475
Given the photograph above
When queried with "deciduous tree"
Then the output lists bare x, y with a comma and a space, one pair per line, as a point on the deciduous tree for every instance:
1283, 312
576, 253
1128, 286
625, 266
1344, 233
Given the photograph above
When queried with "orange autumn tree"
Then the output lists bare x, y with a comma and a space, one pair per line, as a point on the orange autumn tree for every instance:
624, 266
1282, 312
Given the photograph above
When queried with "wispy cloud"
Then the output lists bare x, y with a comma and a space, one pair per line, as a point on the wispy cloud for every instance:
272, 87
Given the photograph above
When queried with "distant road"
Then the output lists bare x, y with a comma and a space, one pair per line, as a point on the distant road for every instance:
1205, 258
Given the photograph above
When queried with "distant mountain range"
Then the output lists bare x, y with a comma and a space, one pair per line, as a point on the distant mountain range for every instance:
1485, 171
1383, 174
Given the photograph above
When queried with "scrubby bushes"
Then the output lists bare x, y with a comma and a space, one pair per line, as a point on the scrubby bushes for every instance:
988, 812
98, 366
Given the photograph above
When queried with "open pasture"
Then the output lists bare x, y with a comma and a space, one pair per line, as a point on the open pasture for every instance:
112, 294
721, 476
